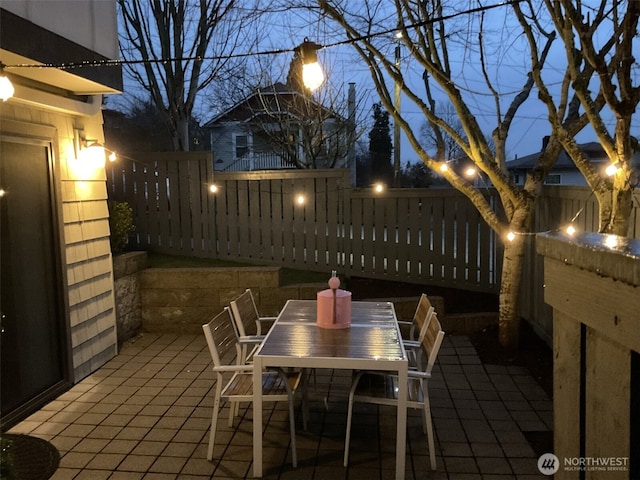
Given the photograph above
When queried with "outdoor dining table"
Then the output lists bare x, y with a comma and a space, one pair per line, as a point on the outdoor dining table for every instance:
373, 342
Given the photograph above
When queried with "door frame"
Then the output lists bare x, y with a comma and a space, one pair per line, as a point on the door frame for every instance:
47, 136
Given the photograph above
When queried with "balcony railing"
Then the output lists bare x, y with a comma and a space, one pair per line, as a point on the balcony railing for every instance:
260, 161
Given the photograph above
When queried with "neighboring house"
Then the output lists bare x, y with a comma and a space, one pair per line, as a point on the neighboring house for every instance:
564, 171
278, 127
57, 298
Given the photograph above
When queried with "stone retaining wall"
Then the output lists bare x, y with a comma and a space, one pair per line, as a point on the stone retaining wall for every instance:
127, 269
180, 300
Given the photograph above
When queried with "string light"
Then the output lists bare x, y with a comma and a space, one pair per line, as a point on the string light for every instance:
300, 199
612, 168
6, 87
201, 58
312, 76
213, 188
378, 187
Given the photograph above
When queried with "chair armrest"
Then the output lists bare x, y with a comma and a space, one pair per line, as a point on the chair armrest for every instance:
406, 328
251, 339
264, 321
267, 319
234, 368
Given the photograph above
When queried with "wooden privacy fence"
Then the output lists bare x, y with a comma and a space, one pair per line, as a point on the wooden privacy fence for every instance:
309, 219
313, 219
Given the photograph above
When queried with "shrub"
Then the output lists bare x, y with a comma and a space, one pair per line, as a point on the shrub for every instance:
120, 224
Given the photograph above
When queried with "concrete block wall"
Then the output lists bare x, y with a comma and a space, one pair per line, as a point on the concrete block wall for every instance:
180, 300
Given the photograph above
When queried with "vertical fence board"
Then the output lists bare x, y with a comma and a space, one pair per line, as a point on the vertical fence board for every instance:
288, 204
354, 235
164, 231
402, 240
254, 246
276, 219
415, 254
368, 239
325, 191
195, 190
221, 218
185, 197
333, 222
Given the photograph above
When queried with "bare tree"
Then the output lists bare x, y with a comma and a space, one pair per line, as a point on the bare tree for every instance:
454, 49
174, 49
579, 26
308, 131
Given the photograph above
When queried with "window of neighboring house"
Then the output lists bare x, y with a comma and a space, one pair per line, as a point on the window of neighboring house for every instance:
241, 145
553, 179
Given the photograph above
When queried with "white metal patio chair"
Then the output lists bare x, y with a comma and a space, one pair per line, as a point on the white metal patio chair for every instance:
234, 379
381, 388
248, 323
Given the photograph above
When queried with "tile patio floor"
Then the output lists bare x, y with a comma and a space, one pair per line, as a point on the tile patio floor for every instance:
146, 415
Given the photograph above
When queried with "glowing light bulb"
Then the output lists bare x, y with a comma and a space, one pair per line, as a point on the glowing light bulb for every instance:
113, 157
213, 188
300, 199
312, 75
571, 230
379, 188
6, 88
470, 172
444, 167
612, 169
511, 236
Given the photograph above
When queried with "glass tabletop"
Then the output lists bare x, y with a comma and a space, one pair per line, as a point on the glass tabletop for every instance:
373, 334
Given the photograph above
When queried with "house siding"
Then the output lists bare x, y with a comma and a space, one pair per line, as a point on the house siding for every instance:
81, 198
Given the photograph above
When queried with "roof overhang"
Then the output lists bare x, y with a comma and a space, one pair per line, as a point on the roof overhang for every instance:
23, 42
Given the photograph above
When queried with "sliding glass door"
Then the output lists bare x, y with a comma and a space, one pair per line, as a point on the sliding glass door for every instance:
32, 340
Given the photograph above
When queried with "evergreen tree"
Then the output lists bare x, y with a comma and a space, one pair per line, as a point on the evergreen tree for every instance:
380, 146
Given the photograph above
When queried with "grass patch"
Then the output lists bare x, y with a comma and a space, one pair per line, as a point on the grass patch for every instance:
291, 276
288, 276
161, 260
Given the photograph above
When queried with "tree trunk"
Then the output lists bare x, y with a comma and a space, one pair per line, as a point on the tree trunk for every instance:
182, 139
509, 318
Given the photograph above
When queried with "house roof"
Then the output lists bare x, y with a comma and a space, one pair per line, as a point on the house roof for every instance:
274, 99
592, 150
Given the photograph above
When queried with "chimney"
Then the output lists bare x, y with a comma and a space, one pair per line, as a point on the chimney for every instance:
545, 142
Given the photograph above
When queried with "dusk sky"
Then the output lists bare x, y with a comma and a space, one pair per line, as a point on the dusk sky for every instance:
288, 28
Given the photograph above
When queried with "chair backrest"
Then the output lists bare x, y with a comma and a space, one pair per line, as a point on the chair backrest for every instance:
221, 338
245, 313
422, 315
432, 341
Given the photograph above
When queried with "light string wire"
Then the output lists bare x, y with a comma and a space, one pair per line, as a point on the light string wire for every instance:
353, 40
